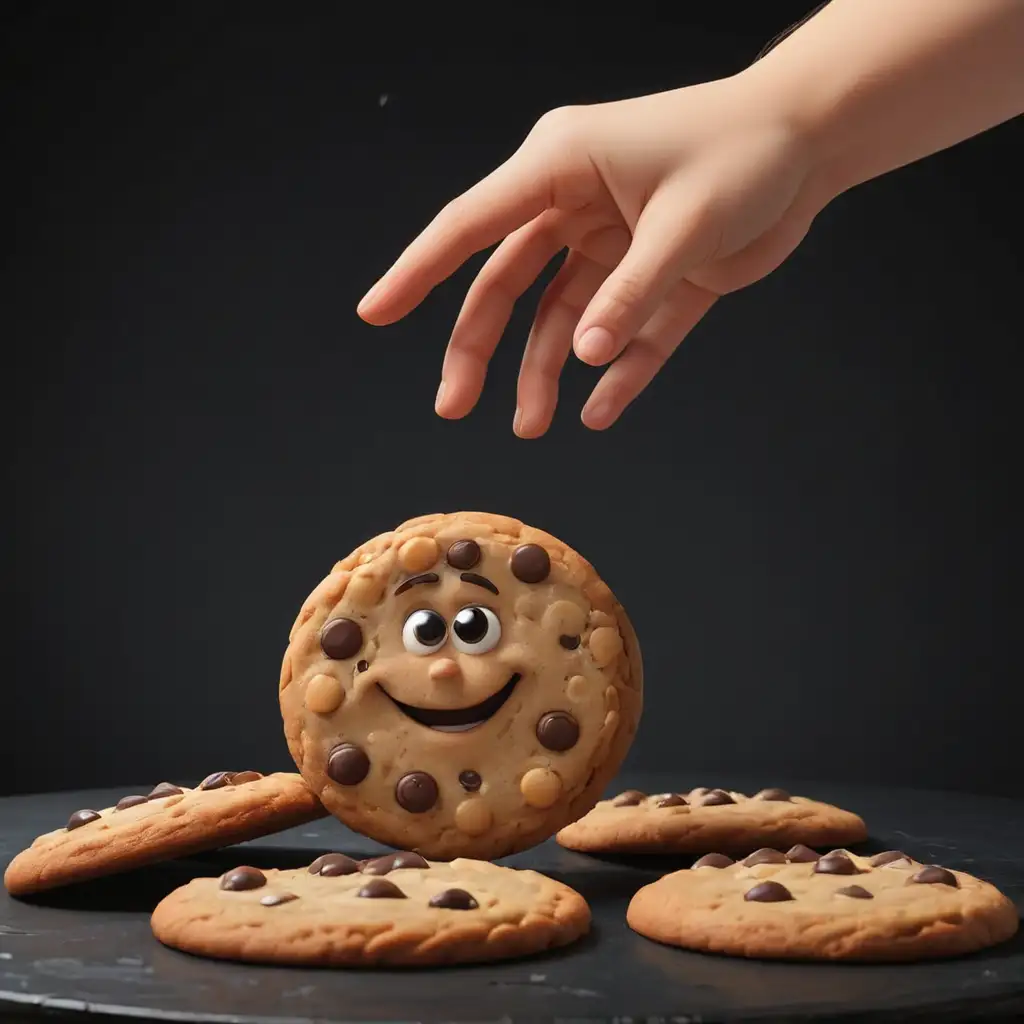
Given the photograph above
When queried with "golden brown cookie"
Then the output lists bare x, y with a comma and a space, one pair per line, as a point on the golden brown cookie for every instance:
462, 686
394, 910
706, 819
171, 821
799, 906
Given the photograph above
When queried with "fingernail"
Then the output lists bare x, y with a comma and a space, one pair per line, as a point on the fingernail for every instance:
596, 345
597, 415
369, 296
517, 421
439, 398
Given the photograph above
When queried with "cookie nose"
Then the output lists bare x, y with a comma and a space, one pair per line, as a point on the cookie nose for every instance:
444, 668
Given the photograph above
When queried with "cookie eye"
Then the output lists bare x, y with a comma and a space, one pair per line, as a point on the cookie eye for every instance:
476, 630
424, 632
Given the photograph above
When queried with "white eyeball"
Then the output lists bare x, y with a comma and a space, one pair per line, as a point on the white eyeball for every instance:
424, 632
476, 630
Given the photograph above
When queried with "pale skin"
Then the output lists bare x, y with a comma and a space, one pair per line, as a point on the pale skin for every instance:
665, 203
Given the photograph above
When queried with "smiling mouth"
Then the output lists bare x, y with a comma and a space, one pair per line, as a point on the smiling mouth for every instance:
457, 719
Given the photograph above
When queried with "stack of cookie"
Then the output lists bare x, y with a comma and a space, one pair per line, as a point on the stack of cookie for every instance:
462, 688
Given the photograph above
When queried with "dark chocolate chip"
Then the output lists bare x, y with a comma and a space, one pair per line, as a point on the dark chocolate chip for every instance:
218, 780
241, 778
463, 554
934, 875
766, 855
80, 818
470, 781
713, 860
630, 798
558, 731
130, 801
716, 798
416, 792
414, 581
671, 800
772, 793
835, 864
881, 859
240, 879
530, 563
331, 865
341, 639
570, 643
275, 899
362, 666
454, 899
857, 892
381, 888
768, 892
801, 854
407, 859
348, 764
164, 789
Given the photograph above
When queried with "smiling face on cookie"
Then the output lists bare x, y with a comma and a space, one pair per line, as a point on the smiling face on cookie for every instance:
460, 685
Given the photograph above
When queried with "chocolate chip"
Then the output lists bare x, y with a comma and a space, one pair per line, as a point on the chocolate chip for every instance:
381, 888
454, 899
881, 859
341, 639
857, 892
773, 793
470, 781
801, 854
934, 875
164, 789
275, 899
130, 801
348, 764
243, 878
766, 855
630, 798
463, 554
407, 859
768, 892
570, 643
362, 666
331, 865
241, 778
80, 818
713, 860
716, 798
530, 563
835, 864
558, 731
218, 780
671, 800
416, 792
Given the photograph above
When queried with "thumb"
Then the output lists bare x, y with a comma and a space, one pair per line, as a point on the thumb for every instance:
674, 234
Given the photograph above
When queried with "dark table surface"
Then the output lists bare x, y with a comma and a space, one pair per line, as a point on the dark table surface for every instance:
89, 948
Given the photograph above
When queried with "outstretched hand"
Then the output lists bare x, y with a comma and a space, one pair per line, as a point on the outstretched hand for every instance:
664, 203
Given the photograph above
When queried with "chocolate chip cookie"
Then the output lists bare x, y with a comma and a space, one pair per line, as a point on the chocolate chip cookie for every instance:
464, 686
799, 905
394, 910
170, 821
704, 819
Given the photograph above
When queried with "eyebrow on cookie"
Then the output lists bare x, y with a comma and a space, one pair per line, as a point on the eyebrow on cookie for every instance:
415, 581
480, 581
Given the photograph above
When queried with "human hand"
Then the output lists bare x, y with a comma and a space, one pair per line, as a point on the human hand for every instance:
664, 203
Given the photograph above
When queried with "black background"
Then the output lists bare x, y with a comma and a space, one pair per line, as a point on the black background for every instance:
811, 514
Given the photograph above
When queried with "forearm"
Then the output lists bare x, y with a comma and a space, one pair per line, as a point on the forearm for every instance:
876, 84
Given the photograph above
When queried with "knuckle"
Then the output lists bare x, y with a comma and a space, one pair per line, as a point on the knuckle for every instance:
558, 124
628, 291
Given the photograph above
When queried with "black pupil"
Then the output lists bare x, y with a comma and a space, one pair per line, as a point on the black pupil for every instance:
471, 625
429, 629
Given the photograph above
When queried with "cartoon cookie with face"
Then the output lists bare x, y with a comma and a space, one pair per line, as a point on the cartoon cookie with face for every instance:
463, 686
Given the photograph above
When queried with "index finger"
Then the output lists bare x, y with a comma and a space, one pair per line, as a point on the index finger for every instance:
510, 196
